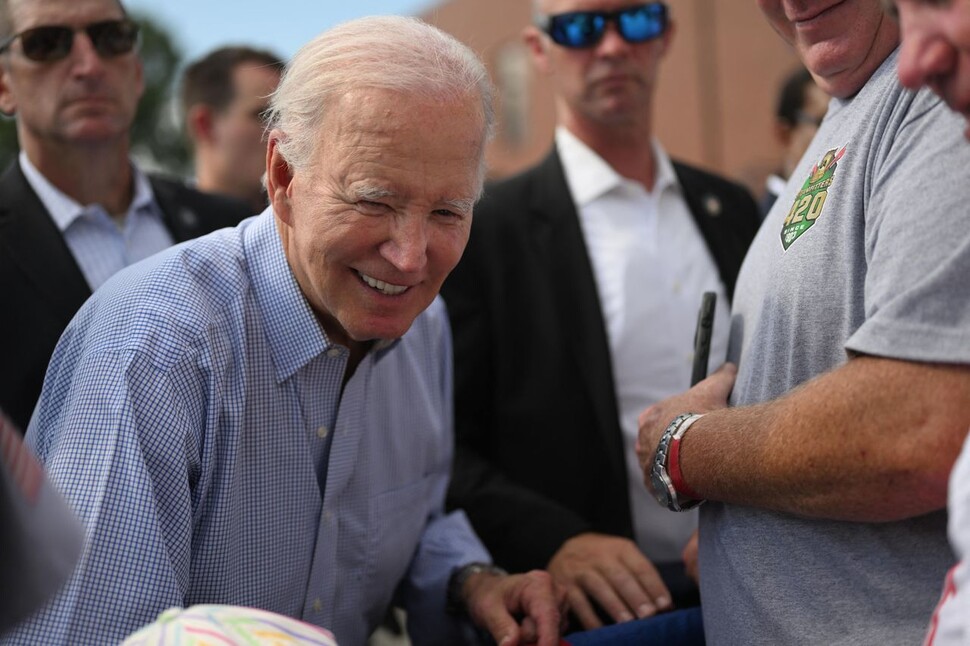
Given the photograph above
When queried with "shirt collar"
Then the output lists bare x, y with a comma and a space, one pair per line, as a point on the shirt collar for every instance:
295, 334
64, 209
775, 184
589, 176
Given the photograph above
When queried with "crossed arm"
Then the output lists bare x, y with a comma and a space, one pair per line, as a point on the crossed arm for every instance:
873, 440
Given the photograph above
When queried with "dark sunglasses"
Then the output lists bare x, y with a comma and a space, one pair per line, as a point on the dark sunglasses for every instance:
53, 42
579, 29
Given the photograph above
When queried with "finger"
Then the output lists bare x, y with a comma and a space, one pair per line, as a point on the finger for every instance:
528, 631
645, 459
597, 587
690, 550
720, 383
582, 609
693, 571
540, 600
633, 595
654, 586
500, 625
648, 416
690, 556
487, 607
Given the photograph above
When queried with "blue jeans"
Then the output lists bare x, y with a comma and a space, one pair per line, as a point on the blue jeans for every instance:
677, 628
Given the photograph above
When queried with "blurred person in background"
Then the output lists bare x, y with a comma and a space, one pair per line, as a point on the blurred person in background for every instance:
798, 114
574, 308
224, 97
74, 208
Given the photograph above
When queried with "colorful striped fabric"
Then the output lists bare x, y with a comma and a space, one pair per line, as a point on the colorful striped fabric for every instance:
228, 625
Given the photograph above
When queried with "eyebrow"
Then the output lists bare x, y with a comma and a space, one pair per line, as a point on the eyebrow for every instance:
374, 193
462, 206
371, 193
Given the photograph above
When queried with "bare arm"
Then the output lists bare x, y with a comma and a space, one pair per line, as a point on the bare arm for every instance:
873, 440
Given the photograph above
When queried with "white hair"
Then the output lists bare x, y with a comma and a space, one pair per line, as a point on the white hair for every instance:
381, 52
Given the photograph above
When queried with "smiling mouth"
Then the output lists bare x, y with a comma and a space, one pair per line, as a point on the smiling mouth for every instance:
808, 18
384, 288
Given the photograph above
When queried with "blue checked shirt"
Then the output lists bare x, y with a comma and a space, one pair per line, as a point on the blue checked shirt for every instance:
187, 415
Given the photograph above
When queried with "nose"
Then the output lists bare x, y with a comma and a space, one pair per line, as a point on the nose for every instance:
84, 57
612, 43
407, 245
923, 57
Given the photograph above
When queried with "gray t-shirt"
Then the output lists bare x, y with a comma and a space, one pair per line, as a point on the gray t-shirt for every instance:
867, 251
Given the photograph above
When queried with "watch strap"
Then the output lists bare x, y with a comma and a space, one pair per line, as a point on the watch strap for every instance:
673, 462
455, 600
668, 495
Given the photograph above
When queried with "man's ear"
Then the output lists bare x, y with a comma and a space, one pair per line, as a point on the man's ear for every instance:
783, 133
199, 122
279, 177
537, 44
140, 77
8, 104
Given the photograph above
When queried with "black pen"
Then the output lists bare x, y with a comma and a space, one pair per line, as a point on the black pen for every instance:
702, 337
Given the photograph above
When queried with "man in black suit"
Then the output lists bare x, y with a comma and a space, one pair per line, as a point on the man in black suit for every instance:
573, 308
74, 208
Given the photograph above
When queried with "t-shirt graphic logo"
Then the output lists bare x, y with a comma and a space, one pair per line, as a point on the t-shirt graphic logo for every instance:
811, 199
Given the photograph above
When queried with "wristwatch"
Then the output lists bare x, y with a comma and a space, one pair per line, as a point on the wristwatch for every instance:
455, 600
663, 485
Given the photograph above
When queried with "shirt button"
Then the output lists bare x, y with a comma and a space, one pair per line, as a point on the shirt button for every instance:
322, 432
317, 605
328, 515
333, 353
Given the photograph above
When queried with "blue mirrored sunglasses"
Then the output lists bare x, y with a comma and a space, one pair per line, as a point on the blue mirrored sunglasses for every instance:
579, 29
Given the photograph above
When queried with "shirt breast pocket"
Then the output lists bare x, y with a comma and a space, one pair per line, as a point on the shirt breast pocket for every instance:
397, 519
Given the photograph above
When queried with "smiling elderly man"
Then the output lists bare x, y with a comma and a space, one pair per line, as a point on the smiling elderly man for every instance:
263, 417
826, 479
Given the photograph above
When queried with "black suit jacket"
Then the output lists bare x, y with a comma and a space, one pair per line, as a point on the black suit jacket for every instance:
42, 287
539, 454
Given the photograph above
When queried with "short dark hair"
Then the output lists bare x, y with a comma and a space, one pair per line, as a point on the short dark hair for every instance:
792, 97
208, 81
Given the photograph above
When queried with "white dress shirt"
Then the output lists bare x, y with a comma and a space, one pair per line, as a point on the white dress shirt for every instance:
100, 244
651, 266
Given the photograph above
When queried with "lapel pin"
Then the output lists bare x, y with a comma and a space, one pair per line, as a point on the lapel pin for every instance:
188, 218
713, 205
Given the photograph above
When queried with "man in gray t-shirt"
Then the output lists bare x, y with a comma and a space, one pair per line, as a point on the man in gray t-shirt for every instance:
852, 332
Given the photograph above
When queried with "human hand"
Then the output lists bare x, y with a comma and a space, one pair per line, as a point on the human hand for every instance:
613, 572
710, 394
494, 601
690, 558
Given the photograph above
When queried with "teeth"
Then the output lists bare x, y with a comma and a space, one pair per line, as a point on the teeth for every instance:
382, 287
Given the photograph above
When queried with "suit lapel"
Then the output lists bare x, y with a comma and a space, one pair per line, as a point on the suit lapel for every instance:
561, 251
182, 222
708, 211
35, 247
